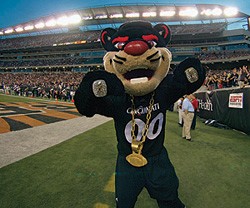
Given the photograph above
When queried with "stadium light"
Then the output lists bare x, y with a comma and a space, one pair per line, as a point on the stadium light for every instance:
132, 15
212, 12
8, 31
230, 11
149, 14
207, 12
185, 12
39, 25
74, 19
87, 18
29, 27
101, 16
116, 16
167, 13
51, 23
19, 29
63, 20
216, 12
191, 12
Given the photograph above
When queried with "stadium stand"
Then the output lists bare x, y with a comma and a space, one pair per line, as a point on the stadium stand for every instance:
66, 53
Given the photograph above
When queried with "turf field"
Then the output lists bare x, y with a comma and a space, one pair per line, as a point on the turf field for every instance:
214, 171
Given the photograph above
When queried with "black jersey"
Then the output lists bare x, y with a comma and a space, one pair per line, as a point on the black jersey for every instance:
119, 107
123, 122
117, 104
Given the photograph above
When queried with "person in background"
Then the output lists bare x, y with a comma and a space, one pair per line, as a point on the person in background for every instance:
187, 115
179, 108
224, 79
242, 75
233, 79
195, 104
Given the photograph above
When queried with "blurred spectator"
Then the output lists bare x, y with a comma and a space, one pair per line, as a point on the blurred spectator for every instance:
217, 79
195, 104
233, 78
179, 108
242, 75
187, 115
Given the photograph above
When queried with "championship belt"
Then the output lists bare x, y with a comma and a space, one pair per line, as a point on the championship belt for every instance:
136, 158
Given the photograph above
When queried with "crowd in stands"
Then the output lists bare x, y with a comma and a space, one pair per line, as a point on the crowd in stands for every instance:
61, 85
217, 79
44, 62
198, 28
56, 85
68, 60
208, 56
48, 40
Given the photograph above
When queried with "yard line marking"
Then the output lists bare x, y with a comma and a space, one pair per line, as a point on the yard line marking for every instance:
110, 187
100, 205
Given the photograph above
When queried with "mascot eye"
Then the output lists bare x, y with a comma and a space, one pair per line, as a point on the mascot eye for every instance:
119, 45
152, 43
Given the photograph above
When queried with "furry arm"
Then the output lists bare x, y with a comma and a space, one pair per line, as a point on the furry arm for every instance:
187, 77
88, 104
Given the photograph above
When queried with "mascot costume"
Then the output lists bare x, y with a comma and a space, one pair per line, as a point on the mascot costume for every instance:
136, 90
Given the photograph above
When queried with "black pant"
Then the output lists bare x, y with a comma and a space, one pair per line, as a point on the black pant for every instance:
158, 177
194, 120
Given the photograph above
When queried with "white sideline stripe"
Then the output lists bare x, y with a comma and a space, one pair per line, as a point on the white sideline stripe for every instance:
17, 145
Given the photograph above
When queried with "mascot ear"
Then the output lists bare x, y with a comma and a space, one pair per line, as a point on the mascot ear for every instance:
106, 40
164, 32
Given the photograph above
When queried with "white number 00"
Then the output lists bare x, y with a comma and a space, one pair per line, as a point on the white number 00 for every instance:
140, 124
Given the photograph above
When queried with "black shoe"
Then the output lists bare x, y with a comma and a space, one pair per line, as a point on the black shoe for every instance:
183, 137
190, 140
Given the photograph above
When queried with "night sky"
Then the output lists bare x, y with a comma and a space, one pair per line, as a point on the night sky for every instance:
13, 12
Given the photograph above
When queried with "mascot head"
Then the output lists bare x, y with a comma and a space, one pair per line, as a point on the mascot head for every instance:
137, 54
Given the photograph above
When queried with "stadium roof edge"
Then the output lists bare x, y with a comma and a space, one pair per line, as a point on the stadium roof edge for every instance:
109, 14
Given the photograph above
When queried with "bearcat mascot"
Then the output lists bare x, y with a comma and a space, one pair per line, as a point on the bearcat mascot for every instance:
136, 90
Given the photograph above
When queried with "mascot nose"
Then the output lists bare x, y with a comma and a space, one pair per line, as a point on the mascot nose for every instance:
136, 48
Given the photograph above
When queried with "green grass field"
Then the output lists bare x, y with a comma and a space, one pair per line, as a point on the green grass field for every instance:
12, 98
214, 171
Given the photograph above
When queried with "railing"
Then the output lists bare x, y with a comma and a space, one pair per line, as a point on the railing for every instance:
227, 106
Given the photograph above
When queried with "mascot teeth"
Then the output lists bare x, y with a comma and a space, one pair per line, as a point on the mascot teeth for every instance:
138, 74
138, 80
